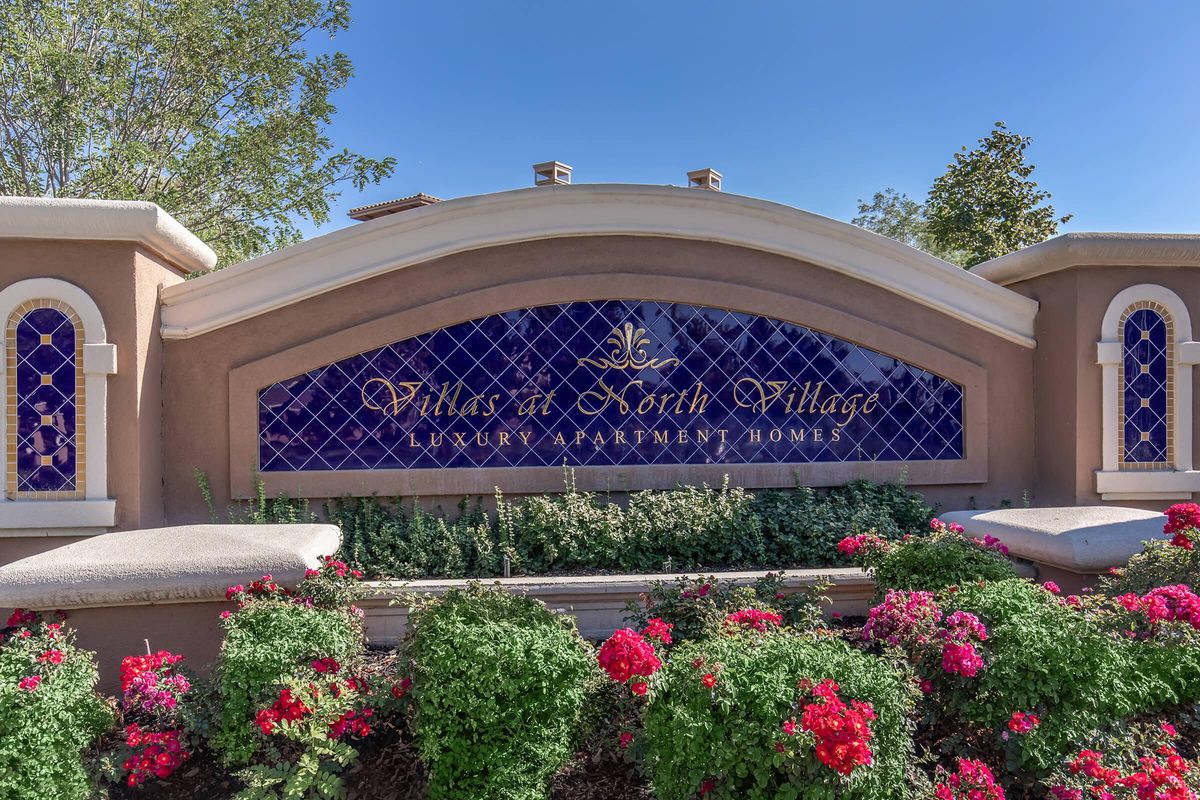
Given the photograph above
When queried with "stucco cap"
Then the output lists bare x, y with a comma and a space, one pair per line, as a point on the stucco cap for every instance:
1079, 539
398, 241
107, 220
1093, 249
188, 563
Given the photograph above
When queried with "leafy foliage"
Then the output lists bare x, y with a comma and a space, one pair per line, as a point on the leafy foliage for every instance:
499, 685
394, 541
935, 562
215, 111
1159, 564
258, 510
1119, 756
314, 770
897, 216
1066, 665
46, 723
697, 607
987, 204
984, 206
727, 735
266, 642
804, 527
692, 527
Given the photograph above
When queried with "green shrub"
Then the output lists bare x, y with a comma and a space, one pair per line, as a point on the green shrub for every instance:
499, 684
697, 607
805, 526
259, 509
1067, 666
45, 726
934, 562
692, 527
728, 734
568, 531
267, 640
1124, 748
1159, 564
392, 542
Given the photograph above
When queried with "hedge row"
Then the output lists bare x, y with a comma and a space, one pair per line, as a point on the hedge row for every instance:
692, 527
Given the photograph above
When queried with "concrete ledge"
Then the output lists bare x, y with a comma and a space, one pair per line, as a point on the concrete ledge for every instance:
1130, 485
42, 517
1086, 539
596, 601
163, 565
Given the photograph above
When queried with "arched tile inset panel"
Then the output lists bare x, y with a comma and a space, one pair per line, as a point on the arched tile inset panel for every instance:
54, 408
1146, 355
45, 388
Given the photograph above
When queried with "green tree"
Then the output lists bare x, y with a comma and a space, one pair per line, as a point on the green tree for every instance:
986, 204
897, 216
214, 110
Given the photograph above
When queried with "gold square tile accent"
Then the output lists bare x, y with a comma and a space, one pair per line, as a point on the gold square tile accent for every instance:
1145, 437
1145, 368
1145, 402
44, 338
1145, 335
47, 419
46, 460
47, 380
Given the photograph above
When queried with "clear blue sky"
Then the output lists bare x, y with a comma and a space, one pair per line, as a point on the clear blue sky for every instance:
810, 105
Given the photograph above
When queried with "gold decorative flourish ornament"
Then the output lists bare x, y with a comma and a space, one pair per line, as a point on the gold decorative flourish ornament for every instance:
629, 351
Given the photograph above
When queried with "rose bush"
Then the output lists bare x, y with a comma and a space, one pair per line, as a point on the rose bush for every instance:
772, 714
271, 638
1139, 761
1072, 666
1172, 561
699, 607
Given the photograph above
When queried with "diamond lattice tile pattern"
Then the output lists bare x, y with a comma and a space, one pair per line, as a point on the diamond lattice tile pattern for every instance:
322, 420
46, 375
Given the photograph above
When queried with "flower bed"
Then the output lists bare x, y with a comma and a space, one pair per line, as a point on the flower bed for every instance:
983, 688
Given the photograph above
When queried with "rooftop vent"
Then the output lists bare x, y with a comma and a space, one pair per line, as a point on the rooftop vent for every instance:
376, 210
707, 178
552, 173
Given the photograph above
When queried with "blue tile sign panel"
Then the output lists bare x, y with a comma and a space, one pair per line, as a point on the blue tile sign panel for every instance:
603, 383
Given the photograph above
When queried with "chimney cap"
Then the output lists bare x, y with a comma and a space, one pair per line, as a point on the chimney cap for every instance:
551, 173
376, 210
707, 178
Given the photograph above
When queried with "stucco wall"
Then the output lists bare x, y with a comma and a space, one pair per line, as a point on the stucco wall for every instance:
124, 282
196, 425
1068, 399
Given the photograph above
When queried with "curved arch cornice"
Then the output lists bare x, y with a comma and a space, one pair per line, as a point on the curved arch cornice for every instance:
401, 240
